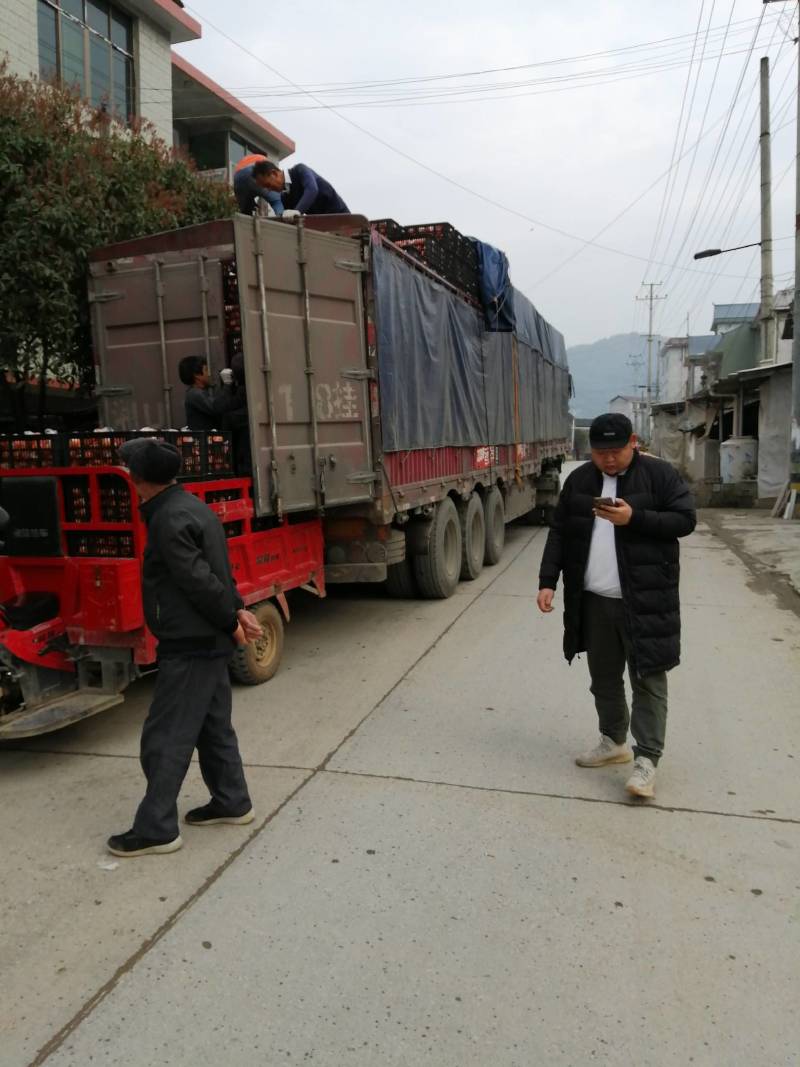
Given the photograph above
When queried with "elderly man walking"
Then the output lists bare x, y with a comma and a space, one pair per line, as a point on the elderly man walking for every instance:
614, 538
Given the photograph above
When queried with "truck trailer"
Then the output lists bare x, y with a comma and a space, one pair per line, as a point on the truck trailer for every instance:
391, 436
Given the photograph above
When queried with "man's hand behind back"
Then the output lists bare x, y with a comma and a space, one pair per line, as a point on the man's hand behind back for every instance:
545, 600
249, 625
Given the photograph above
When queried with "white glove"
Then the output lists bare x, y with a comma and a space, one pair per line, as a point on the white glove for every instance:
290, 213
226, 376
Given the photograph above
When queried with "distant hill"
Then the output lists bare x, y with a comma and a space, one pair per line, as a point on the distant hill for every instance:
600, 370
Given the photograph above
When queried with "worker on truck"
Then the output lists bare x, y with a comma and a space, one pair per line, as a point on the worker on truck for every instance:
301, 189
204, 408
193, 609
249, 185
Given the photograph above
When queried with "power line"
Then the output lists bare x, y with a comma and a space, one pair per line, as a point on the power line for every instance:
716, 199
322, 87
716, 153
479, 195
671, 181
581, 81
631, 204
721, 233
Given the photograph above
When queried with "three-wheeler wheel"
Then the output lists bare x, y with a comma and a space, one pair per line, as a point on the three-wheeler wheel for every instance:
257, 661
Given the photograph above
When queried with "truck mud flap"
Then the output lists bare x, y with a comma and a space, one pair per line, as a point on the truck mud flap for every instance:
55, 714
344, 573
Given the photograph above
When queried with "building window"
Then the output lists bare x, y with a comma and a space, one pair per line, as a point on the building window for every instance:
208, 150
88, 45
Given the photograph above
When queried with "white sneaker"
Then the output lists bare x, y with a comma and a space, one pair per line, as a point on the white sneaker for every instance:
642, 782
607, 751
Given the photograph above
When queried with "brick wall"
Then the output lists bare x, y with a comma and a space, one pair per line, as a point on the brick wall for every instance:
18, 35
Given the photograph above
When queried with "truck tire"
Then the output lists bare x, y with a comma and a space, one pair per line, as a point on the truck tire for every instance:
400, 583
257, 662
473, 537
437, 570
494, 517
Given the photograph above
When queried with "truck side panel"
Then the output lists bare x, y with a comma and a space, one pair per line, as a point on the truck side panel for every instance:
305, 359
149, 312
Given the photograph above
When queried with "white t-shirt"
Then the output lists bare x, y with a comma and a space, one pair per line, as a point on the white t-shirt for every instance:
602, 572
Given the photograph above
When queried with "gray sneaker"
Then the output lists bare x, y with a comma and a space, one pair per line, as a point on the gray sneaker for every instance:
642, 782
607, 751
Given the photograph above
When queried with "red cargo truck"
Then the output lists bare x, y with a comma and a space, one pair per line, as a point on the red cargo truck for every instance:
391, 438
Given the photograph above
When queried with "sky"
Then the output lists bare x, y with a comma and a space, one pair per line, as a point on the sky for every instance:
542, 159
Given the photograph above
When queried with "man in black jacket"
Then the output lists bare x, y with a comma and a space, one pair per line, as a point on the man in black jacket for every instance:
203, 408
614, 537
302, 190
191, 605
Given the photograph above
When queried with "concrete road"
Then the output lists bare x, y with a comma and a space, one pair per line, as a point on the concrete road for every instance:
431, 879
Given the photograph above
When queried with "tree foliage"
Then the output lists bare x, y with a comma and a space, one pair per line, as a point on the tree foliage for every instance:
72, 179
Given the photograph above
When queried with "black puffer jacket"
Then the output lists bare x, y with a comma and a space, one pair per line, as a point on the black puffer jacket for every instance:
189, 596
647, 555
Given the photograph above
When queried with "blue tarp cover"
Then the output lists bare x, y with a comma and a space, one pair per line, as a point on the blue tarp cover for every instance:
447, 381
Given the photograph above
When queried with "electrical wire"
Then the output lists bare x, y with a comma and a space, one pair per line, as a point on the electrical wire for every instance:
667, 194
477, 194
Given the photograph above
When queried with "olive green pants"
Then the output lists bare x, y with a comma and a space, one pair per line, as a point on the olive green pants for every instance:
608, 650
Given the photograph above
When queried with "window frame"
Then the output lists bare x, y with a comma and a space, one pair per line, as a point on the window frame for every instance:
88, 34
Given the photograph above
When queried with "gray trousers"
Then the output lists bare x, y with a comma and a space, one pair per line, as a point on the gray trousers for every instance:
608, 650
191, 709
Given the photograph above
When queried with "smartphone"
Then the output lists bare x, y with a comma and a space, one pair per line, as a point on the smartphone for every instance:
604, 502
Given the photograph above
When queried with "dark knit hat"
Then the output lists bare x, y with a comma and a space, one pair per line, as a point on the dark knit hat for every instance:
612, 430
151, 460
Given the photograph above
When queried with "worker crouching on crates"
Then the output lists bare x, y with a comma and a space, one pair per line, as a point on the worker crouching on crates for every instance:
302, 190
194, 610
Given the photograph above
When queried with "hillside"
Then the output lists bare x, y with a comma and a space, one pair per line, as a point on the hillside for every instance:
600, 370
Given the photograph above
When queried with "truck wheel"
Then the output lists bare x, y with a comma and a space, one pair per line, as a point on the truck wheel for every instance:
257, 662
473, 537
437, 570
400, 583
494, 513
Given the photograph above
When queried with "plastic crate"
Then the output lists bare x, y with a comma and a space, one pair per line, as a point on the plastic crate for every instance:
18, 451
219, 454
98, 448
389, 229
100, 545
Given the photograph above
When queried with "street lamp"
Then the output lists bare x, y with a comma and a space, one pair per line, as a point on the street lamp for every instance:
707, 252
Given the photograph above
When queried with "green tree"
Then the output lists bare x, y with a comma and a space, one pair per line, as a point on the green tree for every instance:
72, 179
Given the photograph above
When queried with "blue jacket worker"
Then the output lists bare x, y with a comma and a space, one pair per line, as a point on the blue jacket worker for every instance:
303, 190
193, 609
249, 185
614, 539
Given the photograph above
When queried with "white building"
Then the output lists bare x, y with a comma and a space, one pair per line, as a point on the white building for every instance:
119, 55
635, 407
675, 369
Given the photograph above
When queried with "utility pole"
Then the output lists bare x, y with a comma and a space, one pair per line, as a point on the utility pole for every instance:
651, 299
768, 346
636, 361
794, 440
794, 446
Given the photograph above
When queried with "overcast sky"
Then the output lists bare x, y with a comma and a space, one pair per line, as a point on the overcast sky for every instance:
570, 159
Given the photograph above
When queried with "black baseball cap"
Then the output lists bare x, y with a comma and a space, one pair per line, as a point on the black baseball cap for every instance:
151, 459
612, 430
